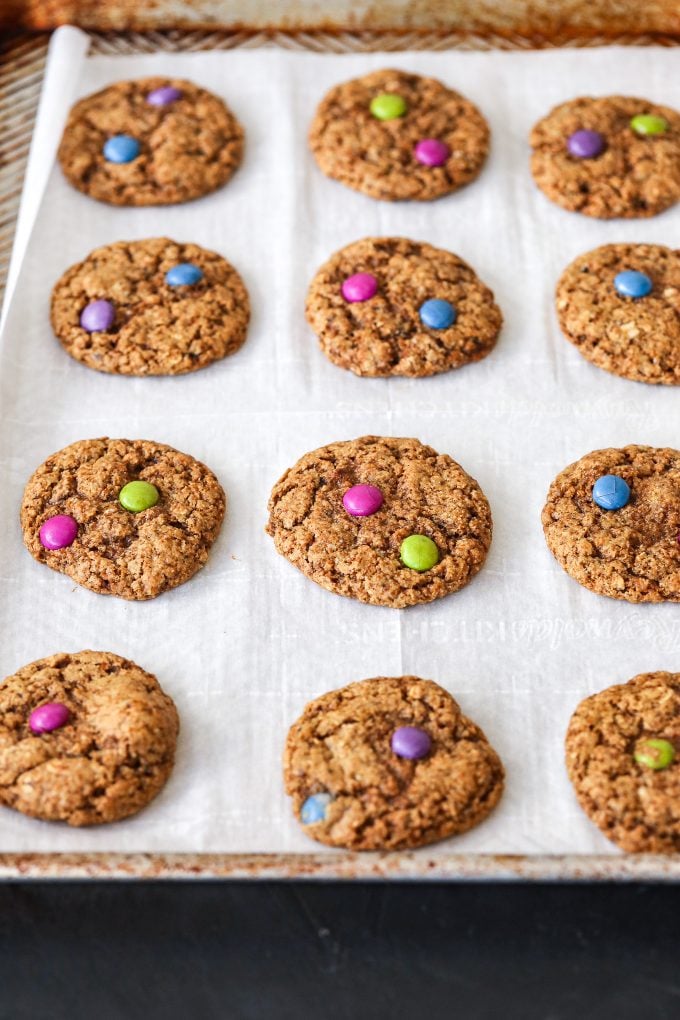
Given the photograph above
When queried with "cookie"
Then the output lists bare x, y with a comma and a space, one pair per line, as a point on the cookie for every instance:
152, 307
85, 738
389, 306
154, 141
609, 157
612, 521
394, 135
623, 758
620, 306
124, 517
385, 521
389, 763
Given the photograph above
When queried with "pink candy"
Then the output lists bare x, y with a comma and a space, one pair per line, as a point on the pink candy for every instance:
431, 152
362, 500
58, 532
360, 287
48, 717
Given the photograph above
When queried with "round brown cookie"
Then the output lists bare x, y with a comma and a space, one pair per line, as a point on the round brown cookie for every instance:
135, 555
635, 805
187, 147
111, 756
638, 338
158, 328
632, 553
423, 493
635, 175
379, 157
387, 764
385, 334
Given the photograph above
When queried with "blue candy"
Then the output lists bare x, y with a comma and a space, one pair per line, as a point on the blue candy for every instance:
632, 284
121, 149
611, 492
314, 808
437, 314
183, 274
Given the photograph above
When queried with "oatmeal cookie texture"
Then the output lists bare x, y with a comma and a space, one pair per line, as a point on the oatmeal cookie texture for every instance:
120, 311
154, 141
85, 738
131, 518
608, 157
387, 521
628, 552
389, 763
623, 758
620, 306
392, 330
394, 135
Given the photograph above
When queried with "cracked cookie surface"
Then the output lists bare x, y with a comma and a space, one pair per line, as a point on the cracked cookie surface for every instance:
112, 756
632, 553
384, 335
117, 552
377, 156
341, 746
635, 806
158, 329
189, 147
424, 493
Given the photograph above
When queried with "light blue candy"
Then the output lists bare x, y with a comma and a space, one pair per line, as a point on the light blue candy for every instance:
630, 283
611, 492
121, 149
437, 313
183, 275
314, 808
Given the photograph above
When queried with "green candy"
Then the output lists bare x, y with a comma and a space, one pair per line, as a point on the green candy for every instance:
136, 496
388, 106
655, 753
418, 552
648, 124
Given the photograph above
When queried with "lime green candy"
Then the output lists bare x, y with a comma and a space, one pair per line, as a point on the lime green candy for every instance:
648, 124
418, 552
655, 753
388, 106
136, 496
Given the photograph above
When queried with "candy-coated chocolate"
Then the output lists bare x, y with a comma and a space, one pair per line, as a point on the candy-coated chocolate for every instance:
437, 313
655, 753
137, 496
48, 717
649, 124
418, 552
630, 283
586, 144
314, 808
98, 316
183, 275
58, 532
121, 149
411, 742
611, 492
360, 287
362, 500
431, 152
164, 95
388, 106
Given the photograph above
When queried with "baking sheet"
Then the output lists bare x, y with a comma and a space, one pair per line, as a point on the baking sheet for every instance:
243, 646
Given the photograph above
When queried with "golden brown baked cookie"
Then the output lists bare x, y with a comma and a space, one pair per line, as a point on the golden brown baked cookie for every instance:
631, 551
436, 144
85, 738
388, 764
589, 158
426, 311
386, 521
600, 312
622, 753
157, 326
125, 517
154, 141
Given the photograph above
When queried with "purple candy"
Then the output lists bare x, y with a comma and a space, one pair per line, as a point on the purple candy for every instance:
585, 144
362, 500
163, 96
48, 717
97, 316
431, 152
58, 532
360, 287
411, 742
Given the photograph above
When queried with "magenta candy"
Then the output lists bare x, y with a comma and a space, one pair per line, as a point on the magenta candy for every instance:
411, 742
360, 287
48, 717
362, 500
163, 96
58, 532
431, 152
97, 316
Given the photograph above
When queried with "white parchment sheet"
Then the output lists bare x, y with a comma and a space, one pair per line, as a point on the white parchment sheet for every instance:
245, 644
